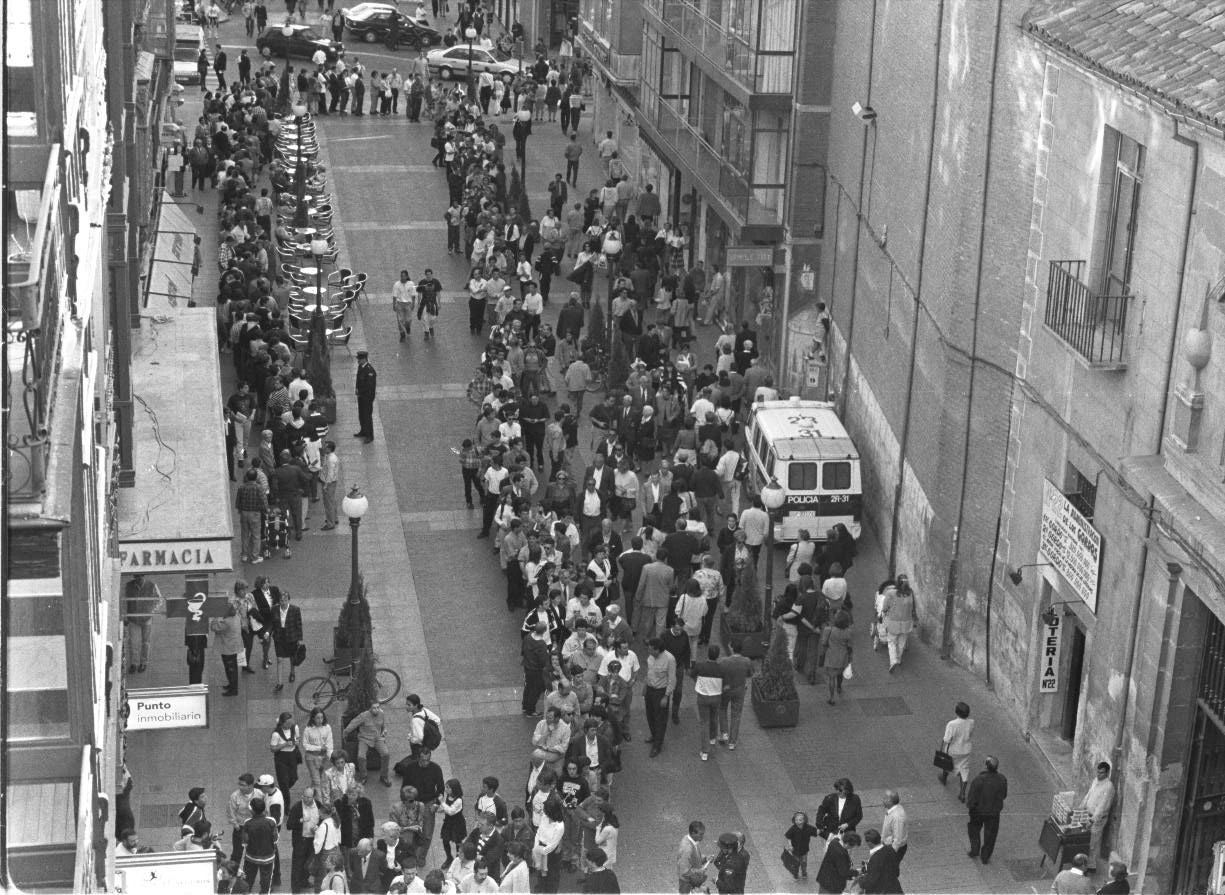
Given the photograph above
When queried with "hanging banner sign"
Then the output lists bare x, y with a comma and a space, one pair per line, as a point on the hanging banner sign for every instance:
1048, 681
1069, 543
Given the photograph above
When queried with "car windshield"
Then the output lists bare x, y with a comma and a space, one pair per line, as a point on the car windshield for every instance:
307, 34
186, 53
498, 55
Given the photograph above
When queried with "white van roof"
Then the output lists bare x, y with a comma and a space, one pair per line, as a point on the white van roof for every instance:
804, 430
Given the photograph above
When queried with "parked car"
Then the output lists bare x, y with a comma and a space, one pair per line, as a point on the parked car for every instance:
186, 54
371, 22
304, 41
453, 62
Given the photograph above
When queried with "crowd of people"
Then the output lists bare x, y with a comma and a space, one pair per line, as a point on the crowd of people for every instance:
622, 553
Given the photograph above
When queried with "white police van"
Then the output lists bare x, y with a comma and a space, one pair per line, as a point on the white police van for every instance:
805, 447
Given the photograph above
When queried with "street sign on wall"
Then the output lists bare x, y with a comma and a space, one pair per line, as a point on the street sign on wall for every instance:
750, 256
1070, 544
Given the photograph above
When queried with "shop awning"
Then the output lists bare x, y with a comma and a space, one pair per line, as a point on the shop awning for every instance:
170, 275
177, 516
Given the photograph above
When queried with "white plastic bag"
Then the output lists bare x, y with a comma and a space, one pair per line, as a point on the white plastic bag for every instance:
847, 674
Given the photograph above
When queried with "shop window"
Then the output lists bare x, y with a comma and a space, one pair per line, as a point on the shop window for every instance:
19, 98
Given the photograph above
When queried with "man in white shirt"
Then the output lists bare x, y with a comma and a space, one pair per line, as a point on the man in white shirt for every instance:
729, 460
628, 659
404, 302
319, 57
755, 523
893, 829
492, 480
702, 406
1098, 802
408, 875
607, 147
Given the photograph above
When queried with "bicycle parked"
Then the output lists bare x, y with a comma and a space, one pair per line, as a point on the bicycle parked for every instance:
321, 691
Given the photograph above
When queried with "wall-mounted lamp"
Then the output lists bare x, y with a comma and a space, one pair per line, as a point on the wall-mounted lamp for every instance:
1014, 575
866, 114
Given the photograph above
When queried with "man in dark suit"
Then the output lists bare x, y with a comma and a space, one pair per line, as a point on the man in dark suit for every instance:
286, 635
219, 63
840, 811
490, 846
628, 418
587, 743
985, 801
266, 596
608, 539
881, 876
602, 474
367, 381
366, 866
681, 546
836, 870
630, 564
302, 837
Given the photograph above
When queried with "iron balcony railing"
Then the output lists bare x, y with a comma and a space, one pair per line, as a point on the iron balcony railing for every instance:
1093, 324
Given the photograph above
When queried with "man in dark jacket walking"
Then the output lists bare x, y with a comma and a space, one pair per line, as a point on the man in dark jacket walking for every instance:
219, 61
985, 801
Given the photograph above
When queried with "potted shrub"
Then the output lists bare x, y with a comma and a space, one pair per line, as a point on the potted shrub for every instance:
363, 688
742, 621
776, 703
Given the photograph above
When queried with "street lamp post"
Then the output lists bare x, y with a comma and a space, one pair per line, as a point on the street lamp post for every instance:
299, 216
284, 100
772, 498
319, 248
470, 34
354, 506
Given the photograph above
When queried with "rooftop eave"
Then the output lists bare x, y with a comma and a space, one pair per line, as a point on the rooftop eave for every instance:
1174, 107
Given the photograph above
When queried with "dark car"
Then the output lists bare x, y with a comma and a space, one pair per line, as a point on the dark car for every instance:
372, 22
302, 41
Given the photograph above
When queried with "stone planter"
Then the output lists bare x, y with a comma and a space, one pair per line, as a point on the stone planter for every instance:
775, 713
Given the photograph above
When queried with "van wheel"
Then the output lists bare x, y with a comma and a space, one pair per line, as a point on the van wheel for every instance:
369, 37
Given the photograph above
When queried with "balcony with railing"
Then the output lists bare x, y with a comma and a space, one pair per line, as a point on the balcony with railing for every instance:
34, 317
1093, 324
753, 41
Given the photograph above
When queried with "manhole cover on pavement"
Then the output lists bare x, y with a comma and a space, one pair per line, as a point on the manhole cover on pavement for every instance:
883, 706
1025, 869
155, 816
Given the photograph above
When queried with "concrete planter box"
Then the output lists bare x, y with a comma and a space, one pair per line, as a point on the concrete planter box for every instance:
751, 645
775, 713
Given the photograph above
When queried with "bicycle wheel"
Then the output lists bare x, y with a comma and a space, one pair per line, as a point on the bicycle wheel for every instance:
315, 693
388, 683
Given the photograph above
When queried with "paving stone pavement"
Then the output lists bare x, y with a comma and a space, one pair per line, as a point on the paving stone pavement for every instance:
438, 605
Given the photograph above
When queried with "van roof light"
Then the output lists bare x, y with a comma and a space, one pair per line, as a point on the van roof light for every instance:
794, 399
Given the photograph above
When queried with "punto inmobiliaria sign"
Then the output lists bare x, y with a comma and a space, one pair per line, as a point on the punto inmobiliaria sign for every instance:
165, 708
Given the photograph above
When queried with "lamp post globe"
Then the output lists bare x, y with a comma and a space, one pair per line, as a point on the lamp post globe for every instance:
354, 506
772, 498
470, 36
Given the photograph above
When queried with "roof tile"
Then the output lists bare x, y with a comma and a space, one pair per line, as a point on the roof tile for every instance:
1173, 49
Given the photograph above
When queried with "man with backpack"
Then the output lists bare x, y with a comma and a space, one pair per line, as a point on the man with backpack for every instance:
426, 777
425, 727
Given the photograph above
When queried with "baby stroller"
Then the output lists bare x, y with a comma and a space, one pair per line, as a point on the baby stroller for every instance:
276, 532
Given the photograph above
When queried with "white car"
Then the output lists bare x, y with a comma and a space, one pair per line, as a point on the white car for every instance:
452, 63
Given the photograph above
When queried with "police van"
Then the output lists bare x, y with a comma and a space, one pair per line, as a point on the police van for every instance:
805, 447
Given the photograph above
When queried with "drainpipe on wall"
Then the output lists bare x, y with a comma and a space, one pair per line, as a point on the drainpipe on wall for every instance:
950, 593
860, 220
914, 326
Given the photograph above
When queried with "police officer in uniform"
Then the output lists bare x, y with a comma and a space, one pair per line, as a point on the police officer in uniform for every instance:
733, 864
366, 380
